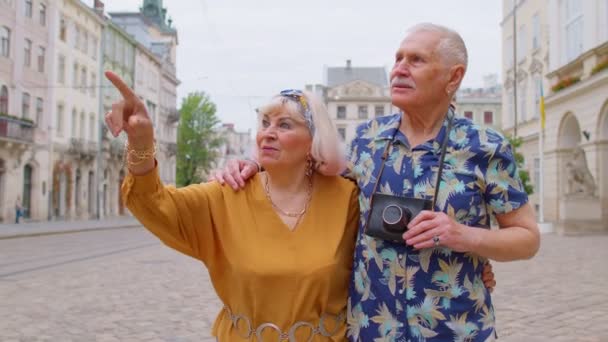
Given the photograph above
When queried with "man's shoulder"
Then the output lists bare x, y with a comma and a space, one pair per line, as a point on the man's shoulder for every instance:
376, 126
477, 137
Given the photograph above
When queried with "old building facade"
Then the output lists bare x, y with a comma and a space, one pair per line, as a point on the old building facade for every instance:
561, 48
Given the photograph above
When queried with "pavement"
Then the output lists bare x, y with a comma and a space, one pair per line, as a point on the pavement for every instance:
8, 231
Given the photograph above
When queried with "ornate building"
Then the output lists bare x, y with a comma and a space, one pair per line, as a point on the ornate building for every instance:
153, 30
563, 46
355, 95
75, 118
24, 107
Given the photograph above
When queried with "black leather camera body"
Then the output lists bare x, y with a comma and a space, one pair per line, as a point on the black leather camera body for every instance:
390, 215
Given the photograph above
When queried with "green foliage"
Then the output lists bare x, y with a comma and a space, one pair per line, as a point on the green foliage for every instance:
599, 67
197, 140
565, 83
524, 175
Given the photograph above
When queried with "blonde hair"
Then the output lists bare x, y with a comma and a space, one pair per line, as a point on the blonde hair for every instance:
327, 149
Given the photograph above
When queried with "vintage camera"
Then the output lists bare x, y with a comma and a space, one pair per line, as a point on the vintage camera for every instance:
390, 215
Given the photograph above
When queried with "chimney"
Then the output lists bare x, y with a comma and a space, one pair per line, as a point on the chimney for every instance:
99, 7
348, 64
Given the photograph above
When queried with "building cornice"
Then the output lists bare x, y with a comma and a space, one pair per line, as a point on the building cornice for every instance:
577, 64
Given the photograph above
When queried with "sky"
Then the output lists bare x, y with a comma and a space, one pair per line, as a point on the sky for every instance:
242, 52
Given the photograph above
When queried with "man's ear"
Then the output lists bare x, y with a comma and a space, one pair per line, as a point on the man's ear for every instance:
456, 74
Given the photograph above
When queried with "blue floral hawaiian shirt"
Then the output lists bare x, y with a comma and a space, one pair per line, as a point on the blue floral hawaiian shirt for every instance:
435, 294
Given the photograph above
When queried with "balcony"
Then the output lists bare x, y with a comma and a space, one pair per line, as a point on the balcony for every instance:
16, 129
172, 116
81, 149
586, 69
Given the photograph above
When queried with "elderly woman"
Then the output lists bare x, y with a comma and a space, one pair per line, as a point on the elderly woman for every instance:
429, 285
279, 253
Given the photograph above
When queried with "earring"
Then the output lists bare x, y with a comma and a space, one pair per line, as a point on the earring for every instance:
310, 165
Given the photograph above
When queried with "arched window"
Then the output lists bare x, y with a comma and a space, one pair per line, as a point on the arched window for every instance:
4, 100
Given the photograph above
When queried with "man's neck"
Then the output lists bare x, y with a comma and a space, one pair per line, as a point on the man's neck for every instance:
420, 125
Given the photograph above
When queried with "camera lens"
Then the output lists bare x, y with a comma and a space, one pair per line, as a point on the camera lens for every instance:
396, 218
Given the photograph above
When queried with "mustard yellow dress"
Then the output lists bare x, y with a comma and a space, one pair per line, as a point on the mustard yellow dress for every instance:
275, 283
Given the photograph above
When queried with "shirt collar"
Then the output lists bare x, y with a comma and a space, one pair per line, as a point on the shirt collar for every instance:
390, 129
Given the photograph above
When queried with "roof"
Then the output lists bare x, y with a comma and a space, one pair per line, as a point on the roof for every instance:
341, 75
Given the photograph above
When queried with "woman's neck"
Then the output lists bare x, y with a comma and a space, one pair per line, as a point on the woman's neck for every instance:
290, 182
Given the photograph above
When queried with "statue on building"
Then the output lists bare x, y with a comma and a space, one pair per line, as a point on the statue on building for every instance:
580, 180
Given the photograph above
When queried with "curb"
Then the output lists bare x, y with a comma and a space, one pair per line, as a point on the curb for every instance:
65, 231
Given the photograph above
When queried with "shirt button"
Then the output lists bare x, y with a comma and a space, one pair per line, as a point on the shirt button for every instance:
400, 256
401, 291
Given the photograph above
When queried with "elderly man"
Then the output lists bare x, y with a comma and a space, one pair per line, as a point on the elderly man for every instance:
429, 287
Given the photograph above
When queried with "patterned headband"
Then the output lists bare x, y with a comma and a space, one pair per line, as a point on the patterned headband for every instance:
298, 97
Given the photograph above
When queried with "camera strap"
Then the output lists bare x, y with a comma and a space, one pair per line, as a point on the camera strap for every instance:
444, 145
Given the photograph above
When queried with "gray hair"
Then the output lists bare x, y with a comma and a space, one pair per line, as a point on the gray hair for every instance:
451, 47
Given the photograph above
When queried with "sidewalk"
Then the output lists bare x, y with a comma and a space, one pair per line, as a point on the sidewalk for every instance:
8, 231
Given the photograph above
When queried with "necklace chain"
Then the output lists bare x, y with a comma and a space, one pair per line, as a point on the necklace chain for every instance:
286, 213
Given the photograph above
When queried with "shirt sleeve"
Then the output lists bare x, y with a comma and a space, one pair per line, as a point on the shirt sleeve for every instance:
504, 190
183, 218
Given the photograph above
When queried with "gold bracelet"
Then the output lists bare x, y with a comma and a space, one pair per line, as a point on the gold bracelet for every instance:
141, 156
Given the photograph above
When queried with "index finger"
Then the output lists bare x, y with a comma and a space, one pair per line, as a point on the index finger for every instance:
122, 87
422, 216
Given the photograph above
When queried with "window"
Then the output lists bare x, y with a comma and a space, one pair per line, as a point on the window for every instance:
362, 112
77, 37
39, 110
4, 100
85, 42
341, 112
152, 111
488, 118
572, 11
59, 118
522, 96
28, 8
27, 56
5, 41
139, 73
75, 76
94, 48
42, 14
93, 85
82, 125
61, 69
468, 115
521, 43
342, 132
379, 111
92, 127
41, 53
83, 80
62, 29
74, 122
25, 106
535, 32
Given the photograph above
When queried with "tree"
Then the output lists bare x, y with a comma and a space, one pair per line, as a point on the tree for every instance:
197, 140
524, 175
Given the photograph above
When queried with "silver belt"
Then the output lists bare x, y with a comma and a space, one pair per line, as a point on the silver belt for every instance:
290, 335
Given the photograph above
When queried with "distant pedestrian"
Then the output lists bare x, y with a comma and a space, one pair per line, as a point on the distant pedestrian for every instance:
18, 209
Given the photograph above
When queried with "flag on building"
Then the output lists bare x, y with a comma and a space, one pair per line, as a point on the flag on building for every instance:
542, 107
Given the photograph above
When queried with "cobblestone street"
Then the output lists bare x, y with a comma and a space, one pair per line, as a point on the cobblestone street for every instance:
123, 285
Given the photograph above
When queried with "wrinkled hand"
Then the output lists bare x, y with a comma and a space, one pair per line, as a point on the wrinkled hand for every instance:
488, 277
235, 173
429, 224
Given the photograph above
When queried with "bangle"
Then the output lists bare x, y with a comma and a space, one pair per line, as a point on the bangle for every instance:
141, 156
